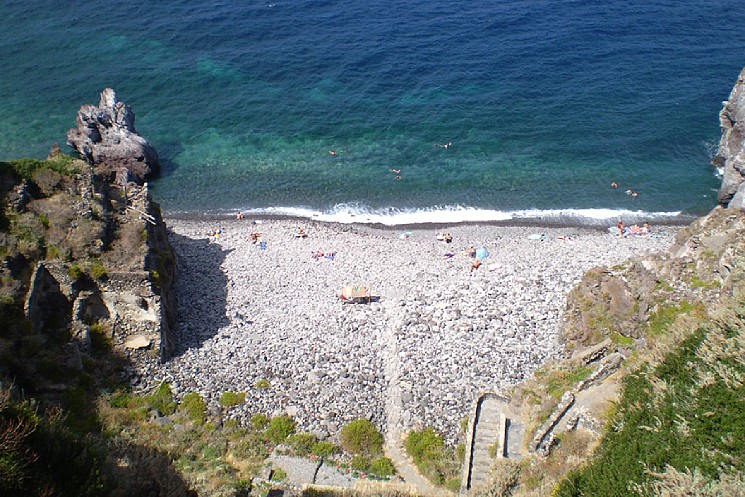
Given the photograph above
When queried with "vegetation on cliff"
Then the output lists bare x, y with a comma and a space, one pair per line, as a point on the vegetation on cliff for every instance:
679, 423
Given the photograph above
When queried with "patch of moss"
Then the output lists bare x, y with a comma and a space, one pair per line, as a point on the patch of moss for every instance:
621, 340
665, 315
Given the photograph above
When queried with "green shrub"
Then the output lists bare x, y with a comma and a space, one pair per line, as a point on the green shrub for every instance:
324, 449
278, 474
120, 400
231, 399
97, 271
263, 384
162, 400
259, 421
435, 461
361, 437
74, 271
382, 467
303, 442
25, 167
453, 484
360, 463
101, 340
280, 427
424, 445
194, 407
53, 252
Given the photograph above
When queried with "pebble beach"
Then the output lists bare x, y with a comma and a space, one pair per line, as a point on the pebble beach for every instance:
262, 315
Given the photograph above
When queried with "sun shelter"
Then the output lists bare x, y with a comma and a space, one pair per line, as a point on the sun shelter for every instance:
355, 294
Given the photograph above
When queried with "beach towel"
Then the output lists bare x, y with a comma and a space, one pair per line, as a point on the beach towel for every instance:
262, 245
537, 236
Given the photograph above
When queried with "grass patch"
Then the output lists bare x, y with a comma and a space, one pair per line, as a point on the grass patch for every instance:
621, 340
666, 315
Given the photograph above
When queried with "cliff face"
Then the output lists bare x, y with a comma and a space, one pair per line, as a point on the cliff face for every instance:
84, 255
730, 157
706, 263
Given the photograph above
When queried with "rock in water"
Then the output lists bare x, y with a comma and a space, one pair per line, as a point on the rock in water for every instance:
730, 157
107, 139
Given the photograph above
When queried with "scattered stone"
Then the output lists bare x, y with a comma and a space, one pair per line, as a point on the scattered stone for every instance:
137, 342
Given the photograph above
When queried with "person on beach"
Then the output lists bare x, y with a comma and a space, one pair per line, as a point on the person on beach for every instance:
255, 237
239, 216
443, 145
476, 264
645, 228
614, 185
619, 227
471, 252
634, 195
444, 237
301, 233
629, 191
332, 152
395, 171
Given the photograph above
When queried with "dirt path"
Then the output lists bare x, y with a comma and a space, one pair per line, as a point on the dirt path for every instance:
393, 409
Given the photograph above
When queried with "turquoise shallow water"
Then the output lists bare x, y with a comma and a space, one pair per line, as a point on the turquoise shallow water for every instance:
545, 103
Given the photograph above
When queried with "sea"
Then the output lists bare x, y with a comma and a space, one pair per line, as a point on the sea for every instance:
392, 111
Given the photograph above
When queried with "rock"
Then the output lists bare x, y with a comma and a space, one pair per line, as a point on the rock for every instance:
107, 139
730, 156
137, 342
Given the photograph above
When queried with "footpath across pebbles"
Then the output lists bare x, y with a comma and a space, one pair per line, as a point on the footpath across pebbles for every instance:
435, 335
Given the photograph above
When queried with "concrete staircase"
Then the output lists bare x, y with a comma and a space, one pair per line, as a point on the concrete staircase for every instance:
487, 427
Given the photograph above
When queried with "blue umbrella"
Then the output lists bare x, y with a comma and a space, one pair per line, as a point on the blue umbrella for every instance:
482, 253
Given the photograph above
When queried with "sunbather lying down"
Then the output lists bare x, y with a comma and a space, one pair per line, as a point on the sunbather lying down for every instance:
444, 237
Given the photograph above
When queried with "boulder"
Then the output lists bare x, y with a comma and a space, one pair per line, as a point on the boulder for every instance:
106, 138
730, 158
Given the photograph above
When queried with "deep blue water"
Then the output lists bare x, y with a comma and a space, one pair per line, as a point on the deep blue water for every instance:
545, 102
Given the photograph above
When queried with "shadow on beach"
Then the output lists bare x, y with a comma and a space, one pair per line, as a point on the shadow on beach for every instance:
201, 289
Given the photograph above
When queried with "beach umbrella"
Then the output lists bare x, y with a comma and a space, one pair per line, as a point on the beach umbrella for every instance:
482, 253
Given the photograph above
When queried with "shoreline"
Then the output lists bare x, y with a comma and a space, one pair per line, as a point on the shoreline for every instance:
550, 222
435, 336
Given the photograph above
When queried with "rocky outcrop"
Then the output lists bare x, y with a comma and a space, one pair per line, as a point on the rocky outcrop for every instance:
106, 138
92, 258
706, 261
730, 158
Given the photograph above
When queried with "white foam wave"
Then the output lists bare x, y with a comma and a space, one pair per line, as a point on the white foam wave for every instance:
450, 214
